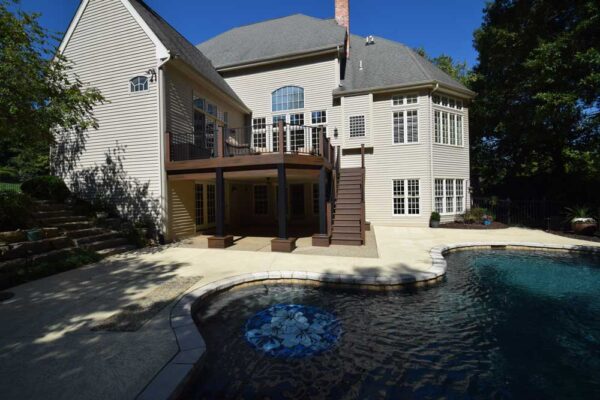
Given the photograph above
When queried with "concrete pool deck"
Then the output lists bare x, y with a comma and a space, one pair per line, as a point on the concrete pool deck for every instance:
47, 347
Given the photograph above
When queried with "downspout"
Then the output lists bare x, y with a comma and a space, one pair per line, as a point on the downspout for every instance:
431, 139
162, 117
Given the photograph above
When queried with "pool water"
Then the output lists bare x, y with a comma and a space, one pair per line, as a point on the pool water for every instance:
502, 324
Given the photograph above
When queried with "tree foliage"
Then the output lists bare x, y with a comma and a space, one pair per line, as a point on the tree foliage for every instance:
39, 96
535, 124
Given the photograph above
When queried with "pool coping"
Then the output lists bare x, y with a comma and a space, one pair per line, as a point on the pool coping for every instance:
169, 382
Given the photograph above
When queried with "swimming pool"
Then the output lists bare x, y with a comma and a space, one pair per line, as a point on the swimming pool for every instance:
502, 324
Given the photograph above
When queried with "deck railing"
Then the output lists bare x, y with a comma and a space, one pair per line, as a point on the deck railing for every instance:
250, 141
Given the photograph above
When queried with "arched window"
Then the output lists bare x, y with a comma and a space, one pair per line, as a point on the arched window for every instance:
287, 98
138, 84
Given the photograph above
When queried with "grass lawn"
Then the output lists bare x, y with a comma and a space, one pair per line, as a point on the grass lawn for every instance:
10, 187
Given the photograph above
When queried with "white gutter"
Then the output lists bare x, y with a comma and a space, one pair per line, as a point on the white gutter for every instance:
162, 123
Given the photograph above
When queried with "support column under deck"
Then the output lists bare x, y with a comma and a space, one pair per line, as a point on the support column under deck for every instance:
282, 243
220, 240
322, 238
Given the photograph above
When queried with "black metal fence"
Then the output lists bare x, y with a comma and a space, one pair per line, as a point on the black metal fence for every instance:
542, 214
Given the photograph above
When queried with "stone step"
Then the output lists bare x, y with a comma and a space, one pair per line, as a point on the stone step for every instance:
29, 249
104, 235
71, 226
116, 250
105, 244
52, 214
85, 232
45, 206
61, 220
7, 266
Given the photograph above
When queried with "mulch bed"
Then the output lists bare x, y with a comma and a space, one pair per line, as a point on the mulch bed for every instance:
574, 236
460, 225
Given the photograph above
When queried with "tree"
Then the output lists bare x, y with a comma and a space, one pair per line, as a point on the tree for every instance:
535, 123
39, 96
458, 70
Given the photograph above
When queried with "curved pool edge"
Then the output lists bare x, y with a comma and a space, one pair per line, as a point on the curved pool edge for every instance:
169, 382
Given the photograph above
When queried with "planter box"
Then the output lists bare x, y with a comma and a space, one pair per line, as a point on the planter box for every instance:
587, 229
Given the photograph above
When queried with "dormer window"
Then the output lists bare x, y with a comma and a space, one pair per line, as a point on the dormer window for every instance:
138, 84
287, 98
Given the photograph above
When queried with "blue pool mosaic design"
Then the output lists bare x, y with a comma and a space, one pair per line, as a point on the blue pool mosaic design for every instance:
292, 331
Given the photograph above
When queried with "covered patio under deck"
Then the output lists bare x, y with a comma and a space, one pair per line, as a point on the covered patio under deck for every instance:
289, 190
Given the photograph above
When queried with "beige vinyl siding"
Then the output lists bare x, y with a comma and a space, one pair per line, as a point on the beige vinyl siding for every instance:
391, 161
316, 76
182, 211
180, 90
107, 49
453, 161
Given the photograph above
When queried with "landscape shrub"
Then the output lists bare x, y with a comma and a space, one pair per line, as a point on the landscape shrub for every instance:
474, 215
8, 175
46, 188
15, 210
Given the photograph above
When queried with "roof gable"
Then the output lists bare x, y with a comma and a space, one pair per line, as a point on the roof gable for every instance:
179, 46
272, 39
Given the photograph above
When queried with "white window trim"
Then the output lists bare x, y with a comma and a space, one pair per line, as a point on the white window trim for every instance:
289, 110
448, 111
139, 92
464, 205
404, 96
350, 137
406, 127
407, 215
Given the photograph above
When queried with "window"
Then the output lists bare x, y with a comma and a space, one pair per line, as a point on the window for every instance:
261, 200
296, 132
449, 195
287, 98
406, 197
459, 130
259, 132
449, 204
399, 100
276, 119
211, 203
357, 126
315, 198
453, 129
460, 195
447, 102
212, 109
406, 129
138, 84
199, 204
437, 131
448, 128
318, 118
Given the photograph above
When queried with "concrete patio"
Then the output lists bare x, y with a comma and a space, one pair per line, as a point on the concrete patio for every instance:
47, 347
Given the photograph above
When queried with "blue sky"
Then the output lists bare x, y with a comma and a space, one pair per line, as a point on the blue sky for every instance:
439, 26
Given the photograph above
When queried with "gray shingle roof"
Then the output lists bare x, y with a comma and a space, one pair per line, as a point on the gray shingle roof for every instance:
273, 38
181, 47
387, 63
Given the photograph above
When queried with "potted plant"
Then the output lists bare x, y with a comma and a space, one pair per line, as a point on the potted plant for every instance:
434, 220
581, 221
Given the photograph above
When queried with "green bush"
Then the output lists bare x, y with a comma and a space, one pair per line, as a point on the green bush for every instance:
15, 210
435, 216
46, 188
474, 215
8, 175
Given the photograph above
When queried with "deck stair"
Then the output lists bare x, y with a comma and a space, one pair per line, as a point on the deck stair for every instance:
348, 214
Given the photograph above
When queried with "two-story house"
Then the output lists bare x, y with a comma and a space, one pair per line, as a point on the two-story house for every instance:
287, 125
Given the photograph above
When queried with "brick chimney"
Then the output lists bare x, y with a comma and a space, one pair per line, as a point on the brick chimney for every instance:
342, 13
342, 17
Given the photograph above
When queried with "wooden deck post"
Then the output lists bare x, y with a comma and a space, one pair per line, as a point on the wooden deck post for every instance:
362, 156
322, 193
168, 141
220, 142
280, 136
282, 243
322, 143
220, 240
